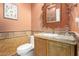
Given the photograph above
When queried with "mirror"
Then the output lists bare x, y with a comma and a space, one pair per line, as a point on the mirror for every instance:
52, 12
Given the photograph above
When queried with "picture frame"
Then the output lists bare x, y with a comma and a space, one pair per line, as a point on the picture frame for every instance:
10, 11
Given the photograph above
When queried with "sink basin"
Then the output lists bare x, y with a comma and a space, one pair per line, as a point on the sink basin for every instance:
48, 34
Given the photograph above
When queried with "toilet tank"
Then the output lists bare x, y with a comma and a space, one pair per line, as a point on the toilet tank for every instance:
32, 40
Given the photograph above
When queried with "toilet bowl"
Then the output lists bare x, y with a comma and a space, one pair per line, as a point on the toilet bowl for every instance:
26, 49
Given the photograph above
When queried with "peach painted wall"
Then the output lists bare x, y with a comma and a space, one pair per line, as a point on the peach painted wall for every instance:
73, 24
26, 22
36, 18
22, 23
37, 21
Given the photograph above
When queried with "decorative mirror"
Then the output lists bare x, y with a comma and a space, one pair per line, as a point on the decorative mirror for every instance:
51, 12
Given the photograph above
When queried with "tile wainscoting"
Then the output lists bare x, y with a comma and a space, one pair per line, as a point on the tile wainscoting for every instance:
9, 41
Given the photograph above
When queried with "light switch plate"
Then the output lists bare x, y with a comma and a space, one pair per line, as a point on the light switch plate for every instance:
77, 21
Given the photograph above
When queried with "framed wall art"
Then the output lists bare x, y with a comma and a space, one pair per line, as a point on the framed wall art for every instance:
10, 11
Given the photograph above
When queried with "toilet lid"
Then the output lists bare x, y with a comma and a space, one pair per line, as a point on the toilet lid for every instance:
24, 46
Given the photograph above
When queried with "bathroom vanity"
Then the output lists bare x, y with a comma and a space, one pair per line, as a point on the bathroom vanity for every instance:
55, 45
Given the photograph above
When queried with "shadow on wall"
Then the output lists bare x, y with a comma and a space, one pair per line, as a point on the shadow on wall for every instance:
3, 26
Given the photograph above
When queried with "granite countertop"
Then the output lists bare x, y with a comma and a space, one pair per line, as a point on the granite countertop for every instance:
77, 35
64, 39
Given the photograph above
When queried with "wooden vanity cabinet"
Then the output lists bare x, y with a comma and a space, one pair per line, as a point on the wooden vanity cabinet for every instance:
60, 49
44, 47
40, 47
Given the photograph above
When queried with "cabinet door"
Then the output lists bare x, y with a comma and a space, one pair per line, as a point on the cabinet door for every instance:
40, 47
58, 49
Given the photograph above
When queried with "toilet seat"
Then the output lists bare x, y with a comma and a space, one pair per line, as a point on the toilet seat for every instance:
23, 49
24, 46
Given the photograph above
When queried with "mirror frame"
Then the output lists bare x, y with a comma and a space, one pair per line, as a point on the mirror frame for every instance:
44, 9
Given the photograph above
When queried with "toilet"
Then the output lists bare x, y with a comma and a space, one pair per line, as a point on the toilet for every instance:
26, 49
